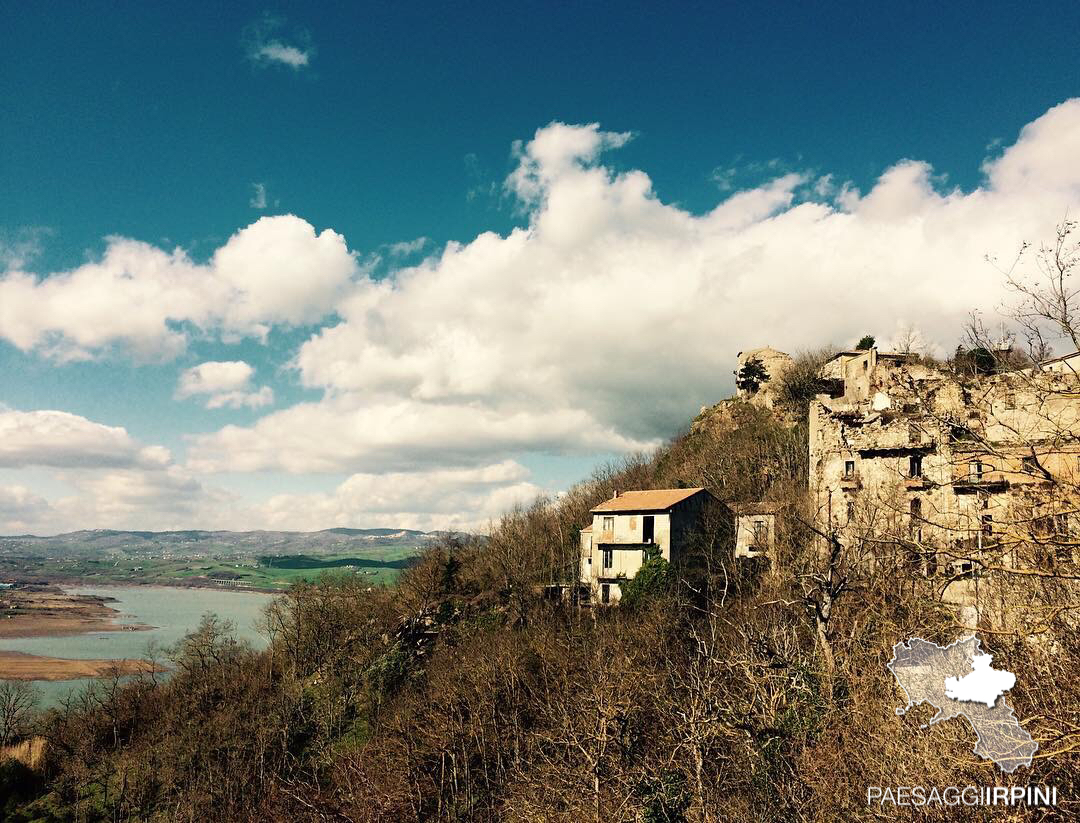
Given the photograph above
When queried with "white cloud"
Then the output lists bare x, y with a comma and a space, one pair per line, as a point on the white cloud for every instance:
600, 326
115, 480
556, 152
265, 42
166, 497
21, 510
353, 433
280, 272
724, 177
264, 396
982, 685
277, 271
408, 247
142, 498
213, 377
170, 497
450, 499
608, 320
227, 384
258, 196
278, 52
1036, 162
63, 440
19, 247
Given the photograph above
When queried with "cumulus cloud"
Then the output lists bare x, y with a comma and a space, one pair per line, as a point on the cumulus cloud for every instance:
612, 316
161, 498
115, 480
556, 152
1036, 162
277, 271
227, 384
445, 499
21, 510
600, 325
269, 41
171, 497
213, 377
63, 440
351, 433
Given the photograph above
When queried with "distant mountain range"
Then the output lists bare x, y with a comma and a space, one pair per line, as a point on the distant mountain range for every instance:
103, 541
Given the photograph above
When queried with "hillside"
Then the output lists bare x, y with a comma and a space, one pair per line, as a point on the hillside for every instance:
268, 560
103, 542
725, 691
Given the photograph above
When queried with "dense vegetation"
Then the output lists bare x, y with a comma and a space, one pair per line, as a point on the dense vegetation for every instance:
462, 693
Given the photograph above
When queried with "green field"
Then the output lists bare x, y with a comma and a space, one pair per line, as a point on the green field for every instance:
378, 565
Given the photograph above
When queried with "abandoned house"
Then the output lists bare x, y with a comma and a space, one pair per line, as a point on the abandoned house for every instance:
631, 523
954, 467
672, 521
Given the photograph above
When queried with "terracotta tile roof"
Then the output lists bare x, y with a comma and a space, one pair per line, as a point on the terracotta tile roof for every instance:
650, 500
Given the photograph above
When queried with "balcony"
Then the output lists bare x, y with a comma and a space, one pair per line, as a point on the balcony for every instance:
850, 482
984, 481
635, 545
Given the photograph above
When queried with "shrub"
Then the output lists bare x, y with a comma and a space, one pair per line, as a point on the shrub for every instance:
652, 580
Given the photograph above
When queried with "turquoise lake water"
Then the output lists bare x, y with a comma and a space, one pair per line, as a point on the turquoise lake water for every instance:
172, 612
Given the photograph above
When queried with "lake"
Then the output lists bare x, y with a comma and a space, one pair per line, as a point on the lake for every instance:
173, 613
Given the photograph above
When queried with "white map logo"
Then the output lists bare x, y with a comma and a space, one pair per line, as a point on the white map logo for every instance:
958, 681
983, 685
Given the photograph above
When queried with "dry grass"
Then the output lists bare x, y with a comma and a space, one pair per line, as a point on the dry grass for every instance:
29, 752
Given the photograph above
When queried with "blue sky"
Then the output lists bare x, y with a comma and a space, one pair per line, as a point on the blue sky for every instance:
303, 267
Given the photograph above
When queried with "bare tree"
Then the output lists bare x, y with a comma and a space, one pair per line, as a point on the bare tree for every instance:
17, 701
1045, 309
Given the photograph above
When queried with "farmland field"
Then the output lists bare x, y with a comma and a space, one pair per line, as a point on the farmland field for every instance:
270, 561
378, 565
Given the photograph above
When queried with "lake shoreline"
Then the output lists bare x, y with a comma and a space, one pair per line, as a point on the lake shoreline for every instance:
84, 583
49, 611
66, 581
61, 656
25, 666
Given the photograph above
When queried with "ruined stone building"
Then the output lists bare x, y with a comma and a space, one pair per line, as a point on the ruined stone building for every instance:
755, 529
963, 472
775, 363
1069, 363
926, 471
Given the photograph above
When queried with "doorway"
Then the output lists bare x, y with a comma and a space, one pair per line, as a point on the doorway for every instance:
647, 527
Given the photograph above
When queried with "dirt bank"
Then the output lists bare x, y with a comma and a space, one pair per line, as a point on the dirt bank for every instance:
22, 666
47, 611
